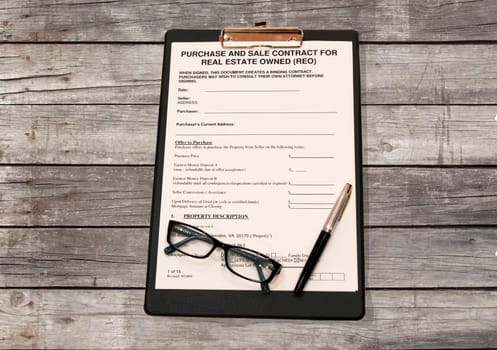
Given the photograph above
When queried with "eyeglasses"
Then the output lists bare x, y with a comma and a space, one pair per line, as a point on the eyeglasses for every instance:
243, 262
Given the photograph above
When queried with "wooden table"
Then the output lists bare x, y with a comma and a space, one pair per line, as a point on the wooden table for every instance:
79, 93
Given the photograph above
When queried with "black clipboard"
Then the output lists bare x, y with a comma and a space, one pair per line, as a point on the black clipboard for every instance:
240, 303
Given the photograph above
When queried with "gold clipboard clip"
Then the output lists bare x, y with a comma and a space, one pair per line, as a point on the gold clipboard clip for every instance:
261, 36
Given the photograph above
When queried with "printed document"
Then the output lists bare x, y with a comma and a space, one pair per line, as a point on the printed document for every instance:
259, 143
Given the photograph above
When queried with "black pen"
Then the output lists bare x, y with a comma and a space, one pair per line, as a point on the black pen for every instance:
328, 228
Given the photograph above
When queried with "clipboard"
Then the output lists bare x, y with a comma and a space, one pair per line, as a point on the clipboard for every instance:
322, 304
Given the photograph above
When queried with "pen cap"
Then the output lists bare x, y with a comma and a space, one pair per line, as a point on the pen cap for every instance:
338, 208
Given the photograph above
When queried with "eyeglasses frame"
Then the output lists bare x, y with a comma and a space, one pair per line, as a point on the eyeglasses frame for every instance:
225, 246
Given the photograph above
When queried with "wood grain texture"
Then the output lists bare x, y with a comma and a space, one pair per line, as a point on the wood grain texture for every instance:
379, 20
107, 319
91, 195
131, 74
80, 74
117, 257
429, 135
121, 196
78, 134
90, 258
125, 134
430, 196
79, 85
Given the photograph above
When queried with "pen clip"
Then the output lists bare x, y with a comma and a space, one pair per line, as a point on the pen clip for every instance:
343, 211
338, 209
348, 194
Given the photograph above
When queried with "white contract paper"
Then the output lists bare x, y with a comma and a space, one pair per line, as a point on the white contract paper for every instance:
259, 143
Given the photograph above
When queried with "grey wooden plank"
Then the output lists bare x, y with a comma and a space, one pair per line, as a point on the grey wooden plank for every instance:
75, 195
430, 257
118, 73
125, 134
378, 20
428, 74
430, 196
80, 74
100, 257
78, 134
89, 258
121, 196
430, 135
110, 319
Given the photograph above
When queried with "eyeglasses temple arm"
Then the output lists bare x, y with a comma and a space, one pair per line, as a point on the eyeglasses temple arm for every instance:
252, 257
257, 262
264, 286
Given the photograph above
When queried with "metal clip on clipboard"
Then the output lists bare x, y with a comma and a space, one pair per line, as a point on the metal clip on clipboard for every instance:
261, 36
